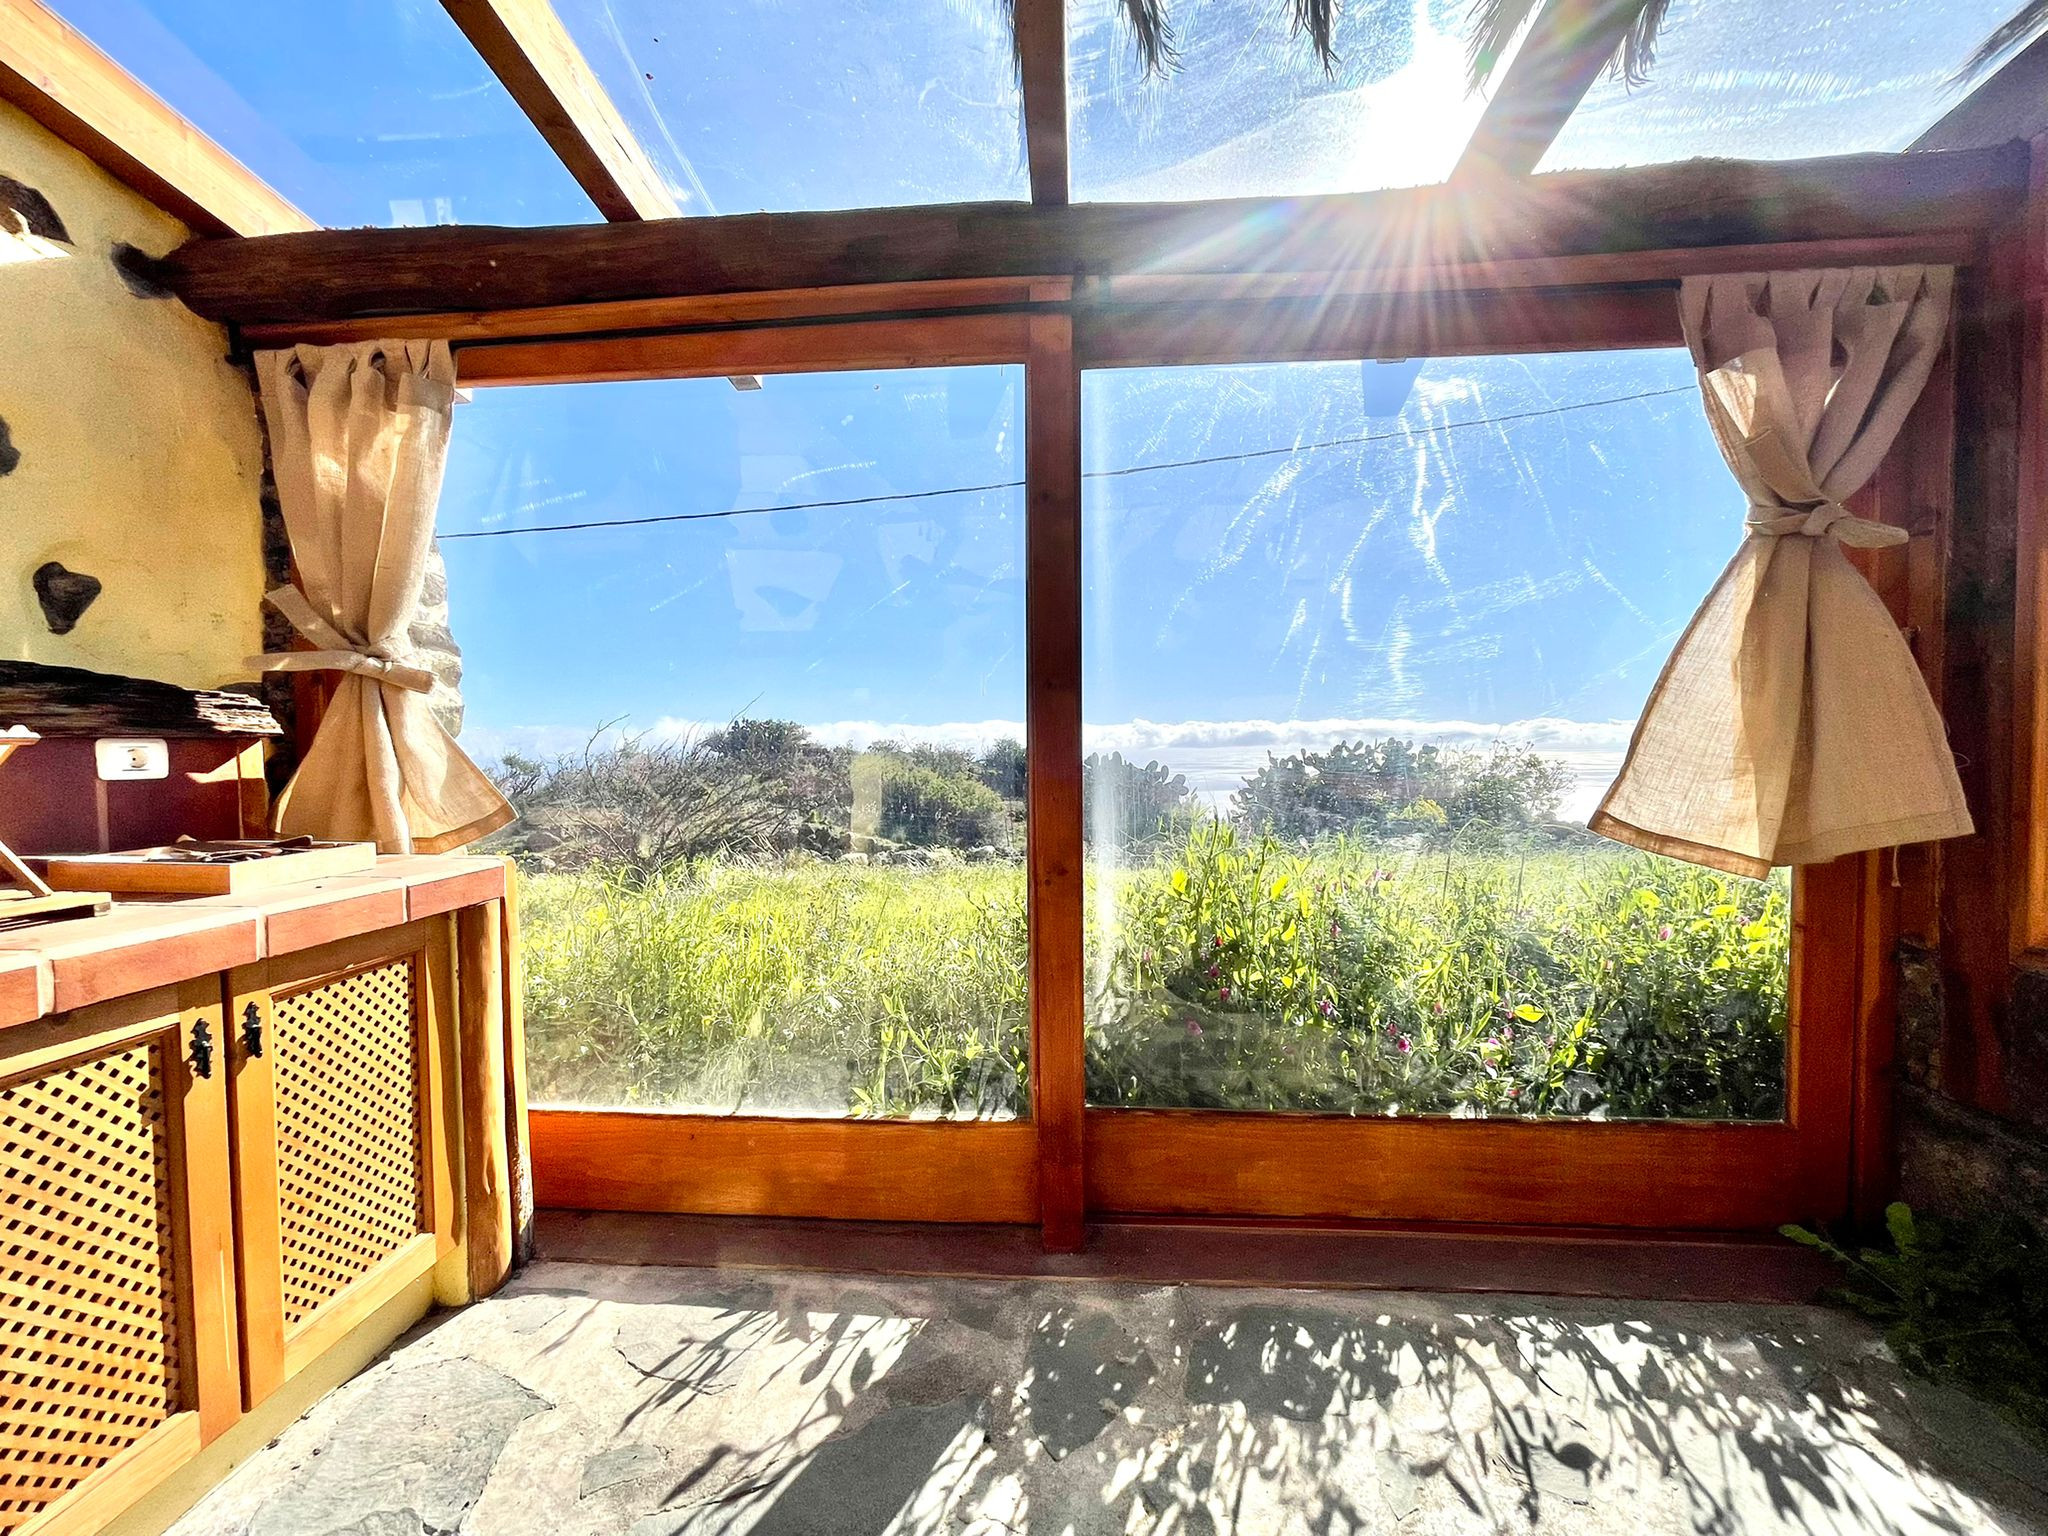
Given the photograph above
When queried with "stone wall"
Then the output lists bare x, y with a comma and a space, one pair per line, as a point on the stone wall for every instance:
1955, 1158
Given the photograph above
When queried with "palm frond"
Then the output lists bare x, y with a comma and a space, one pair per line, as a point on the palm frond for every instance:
1151, 35
1638, 51
1317, 19
2015, 32
1494, 24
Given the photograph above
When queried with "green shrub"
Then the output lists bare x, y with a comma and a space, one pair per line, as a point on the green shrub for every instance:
1965, 1301
1229, 972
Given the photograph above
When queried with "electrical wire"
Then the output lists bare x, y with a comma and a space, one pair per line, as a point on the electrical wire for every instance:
1097, 474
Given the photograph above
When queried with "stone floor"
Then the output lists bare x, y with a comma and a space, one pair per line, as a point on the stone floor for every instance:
657, 1402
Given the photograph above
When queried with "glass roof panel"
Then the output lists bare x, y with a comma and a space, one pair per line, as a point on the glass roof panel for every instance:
1762, 80
751, 106
359, 111
1248, 111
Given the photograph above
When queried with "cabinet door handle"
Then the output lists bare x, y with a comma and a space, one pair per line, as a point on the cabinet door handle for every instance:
252, 1030
202, 1048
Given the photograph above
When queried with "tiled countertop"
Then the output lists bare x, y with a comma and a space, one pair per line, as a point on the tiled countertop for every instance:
151, 941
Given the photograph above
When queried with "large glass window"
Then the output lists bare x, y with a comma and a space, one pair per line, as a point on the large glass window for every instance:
1756, 80
751, 105
1247, 110
371, 112
751, 664
1364, 643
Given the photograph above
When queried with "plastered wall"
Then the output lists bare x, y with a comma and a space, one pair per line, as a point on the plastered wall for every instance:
131, 455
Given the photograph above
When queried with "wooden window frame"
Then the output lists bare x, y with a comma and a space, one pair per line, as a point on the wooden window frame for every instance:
1069, 1163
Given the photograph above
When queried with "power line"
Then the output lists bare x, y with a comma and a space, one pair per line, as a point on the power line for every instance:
1096, 474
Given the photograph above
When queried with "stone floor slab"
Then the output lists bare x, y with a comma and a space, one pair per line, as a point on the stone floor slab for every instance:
596, 1401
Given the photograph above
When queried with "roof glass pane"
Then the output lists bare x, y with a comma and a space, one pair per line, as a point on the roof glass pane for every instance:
360, 111
1248, 111
753, 106
1761, 80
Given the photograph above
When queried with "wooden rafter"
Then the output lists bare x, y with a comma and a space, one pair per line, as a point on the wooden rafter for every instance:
52, 73
532, 54
340, 274
1042, 70
2012, 104
1566, 47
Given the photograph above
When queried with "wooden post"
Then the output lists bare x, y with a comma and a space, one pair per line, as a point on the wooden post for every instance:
1052, 474
521, 1140
486, 1154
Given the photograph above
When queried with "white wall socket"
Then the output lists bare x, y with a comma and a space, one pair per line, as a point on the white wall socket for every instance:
132, 758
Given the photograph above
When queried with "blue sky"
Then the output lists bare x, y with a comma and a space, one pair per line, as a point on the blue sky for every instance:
378, 112
1505, 544
1460, 573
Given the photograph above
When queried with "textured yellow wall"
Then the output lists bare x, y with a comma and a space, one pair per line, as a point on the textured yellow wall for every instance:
140, 461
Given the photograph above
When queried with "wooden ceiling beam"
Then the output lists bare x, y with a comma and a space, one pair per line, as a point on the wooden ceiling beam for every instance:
1042, 71
539, 64
1566, 47
2012, 104
343, 274
55, 75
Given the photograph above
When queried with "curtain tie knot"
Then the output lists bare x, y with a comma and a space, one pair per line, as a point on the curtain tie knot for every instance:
1828, 520
336, 652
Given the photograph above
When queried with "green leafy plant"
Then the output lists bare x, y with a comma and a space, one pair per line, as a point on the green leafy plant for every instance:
1964, 1301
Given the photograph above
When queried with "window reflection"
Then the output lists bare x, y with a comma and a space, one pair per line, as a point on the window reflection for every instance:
761, 710
1364, 646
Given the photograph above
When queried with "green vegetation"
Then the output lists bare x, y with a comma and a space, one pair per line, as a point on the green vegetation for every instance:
755, 921
1344, 977
1964, 1301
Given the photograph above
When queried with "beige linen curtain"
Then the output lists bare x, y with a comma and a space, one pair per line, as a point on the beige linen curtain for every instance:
358, 440
1791, 725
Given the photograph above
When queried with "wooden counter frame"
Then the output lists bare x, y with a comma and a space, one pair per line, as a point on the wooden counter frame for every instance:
1068, 1162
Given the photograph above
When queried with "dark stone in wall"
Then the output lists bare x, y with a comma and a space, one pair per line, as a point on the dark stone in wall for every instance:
1957, 1160
1954, 1159
10, 455
2026, 1048
26, 211
64, 595
141, 272
1920, 1016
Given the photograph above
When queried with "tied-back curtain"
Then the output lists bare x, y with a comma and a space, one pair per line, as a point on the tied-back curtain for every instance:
1791, 725
358, 440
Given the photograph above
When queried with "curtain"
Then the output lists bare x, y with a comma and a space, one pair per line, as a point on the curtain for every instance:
1791, 725
358, 440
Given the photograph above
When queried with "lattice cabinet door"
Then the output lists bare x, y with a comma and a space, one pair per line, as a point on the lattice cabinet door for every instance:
117, 1343
340, 1098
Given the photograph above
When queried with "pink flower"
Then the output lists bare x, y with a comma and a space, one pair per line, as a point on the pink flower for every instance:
1436, 1007
1514, 1093
1329, 1009
1194, 1029
1223, 993
1403, 1044
1215, 971
1217, 941
1664, 932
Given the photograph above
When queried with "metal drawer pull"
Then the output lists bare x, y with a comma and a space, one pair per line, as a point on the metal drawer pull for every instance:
252, 1030
202, 1048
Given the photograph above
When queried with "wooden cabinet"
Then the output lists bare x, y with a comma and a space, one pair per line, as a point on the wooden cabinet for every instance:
117, 1343
343, 1186
208, 1184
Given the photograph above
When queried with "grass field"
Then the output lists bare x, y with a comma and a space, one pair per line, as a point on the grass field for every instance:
1348, 978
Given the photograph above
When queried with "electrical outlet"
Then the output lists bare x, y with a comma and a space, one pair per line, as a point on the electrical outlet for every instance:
127, 758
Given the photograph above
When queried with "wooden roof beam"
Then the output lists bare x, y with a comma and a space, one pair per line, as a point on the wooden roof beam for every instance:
2012, 104
344, 274
532, 54
1041, 29
55, 75
1562, 54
